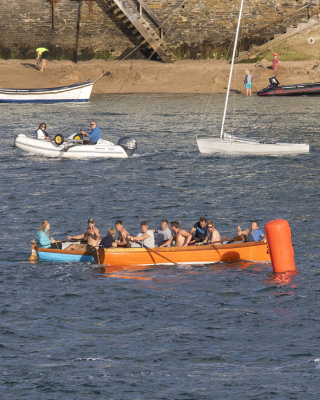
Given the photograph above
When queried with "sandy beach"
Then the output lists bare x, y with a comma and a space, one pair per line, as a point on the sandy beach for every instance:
138, 76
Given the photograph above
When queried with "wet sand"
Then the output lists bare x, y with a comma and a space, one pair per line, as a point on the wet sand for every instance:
137, 76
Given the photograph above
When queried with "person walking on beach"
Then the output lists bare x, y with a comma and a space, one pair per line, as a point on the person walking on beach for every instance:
275, 61
42, 54
248, 82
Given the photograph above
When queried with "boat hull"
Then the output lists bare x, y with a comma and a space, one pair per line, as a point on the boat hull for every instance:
103, 149
191, 255
247, 147
303, 89
74, 93
64, 256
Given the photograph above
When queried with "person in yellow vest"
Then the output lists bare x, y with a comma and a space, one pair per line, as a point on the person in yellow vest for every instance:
42, 54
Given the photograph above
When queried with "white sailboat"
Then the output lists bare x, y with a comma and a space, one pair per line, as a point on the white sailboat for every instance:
230, 144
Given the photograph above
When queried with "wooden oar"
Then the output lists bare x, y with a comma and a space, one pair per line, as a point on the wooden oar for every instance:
235, 239
155, 252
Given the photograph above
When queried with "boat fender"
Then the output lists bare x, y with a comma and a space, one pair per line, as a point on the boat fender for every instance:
129, 144
59, 139
281, 251
274, 81
34, 255
311, 40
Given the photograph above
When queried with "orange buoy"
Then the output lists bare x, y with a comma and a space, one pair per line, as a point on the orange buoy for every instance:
280, 246
34, 255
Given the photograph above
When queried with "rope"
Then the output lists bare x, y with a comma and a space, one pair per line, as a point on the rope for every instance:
144, 41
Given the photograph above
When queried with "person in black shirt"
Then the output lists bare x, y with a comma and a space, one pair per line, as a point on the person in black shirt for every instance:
108, 241
199, 230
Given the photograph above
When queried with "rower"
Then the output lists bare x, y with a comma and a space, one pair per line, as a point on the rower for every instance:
180, 237
213, 235
91, 236
109, 241
146, 237
162, 233
199, 230
253, 235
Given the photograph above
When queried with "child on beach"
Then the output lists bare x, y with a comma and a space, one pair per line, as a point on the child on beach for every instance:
275, 61
248, 82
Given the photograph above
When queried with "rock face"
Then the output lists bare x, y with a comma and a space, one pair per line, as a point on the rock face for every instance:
82, 29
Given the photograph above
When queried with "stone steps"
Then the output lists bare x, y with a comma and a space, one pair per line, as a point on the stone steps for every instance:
142, 19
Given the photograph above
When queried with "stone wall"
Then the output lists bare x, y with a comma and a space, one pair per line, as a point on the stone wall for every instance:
88, 28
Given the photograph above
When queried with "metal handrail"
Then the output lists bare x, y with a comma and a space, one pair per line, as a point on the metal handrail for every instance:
281, 19
143, 7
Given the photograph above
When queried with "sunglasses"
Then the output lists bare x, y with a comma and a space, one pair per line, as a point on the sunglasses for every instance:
210, 226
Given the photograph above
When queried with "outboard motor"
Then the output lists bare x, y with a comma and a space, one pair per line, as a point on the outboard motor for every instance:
129, 144
274, 81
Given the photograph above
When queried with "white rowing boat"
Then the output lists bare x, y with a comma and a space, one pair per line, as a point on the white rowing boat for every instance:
79, 92
76, 149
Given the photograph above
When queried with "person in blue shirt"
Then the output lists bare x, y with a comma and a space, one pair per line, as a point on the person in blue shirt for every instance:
199, 230
44, 239
253, 235
94, 135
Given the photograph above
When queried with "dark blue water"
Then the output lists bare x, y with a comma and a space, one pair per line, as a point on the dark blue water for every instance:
226, 331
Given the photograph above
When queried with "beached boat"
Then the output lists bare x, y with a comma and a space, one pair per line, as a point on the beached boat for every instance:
232, 144
79, 92
191, 255
299, 89
74, 147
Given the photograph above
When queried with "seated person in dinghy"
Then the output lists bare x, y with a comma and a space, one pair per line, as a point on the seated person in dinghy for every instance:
180, 237
146, 237
91, 236
253, 235
94, 135
41, 132
44, 239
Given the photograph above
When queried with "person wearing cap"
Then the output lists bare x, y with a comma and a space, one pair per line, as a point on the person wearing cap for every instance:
275, 61
91, 236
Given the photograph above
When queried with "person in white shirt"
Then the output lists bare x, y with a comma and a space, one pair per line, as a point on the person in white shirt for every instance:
162, 234
41, 132
146, 237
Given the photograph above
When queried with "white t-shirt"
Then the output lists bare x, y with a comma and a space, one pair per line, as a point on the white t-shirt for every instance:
161, 236
40, 134
149, 242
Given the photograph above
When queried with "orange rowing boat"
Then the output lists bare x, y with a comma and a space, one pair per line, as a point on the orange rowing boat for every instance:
129, 257
208, 254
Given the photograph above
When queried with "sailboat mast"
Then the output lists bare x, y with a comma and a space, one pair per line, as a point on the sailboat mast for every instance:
231, 69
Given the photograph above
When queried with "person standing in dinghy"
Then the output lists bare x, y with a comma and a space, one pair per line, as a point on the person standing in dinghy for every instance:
94, 135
